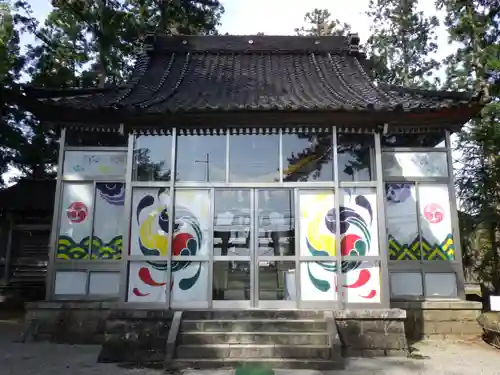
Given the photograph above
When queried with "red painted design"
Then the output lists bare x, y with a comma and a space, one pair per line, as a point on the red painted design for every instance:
180, 242
349, 243
139, 294
363, 277
370, 295
145, 276
77, 212
434, 213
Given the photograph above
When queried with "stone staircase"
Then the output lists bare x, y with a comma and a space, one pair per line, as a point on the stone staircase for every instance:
276, 339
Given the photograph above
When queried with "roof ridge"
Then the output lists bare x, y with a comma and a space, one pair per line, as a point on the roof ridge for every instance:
252, 44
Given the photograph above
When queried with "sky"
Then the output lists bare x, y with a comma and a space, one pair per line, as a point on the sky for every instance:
281, 17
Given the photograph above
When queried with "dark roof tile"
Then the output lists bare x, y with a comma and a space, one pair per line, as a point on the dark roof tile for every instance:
254, 73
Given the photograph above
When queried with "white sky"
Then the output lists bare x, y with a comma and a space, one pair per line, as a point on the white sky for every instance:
281, 17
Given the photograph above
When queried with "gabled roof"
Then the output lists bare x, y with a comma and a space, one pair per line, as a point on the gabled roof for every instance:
186, 78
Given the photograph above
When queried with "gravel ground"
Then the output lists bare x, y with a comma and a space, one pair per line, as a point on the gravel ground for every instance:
432, 358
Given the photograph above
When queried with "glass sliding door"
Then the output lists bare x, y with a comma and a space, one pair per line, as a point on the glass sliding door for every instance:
274, 255
232, 248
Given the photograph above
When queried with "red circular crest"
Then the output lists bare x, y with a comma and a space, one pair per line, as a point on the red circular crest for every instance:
434, 213
77, 212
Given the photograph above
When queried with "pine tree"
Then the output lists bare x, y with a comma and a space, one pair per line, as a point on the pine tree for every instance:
402, 42
320, 23
80, 44
475, 24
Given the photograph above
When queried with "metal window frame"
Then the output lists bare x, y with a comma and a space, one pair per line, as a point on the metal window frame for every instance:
422, 266
377, 182
51, 271
85, 265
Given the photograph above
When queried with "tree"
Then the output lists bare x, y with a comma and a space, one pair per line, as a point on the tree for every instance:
475, 24
320, 23
11, 66
402, 42
82, 43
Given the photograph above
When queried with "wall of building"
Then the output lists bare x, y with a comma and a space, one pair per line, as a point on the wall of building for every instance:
394, 206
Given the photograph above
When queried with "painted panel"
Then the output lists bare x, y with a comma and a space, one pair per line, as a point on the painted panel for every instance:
317, 223
149, 227
402, 225
190, 282
104, 283
109, 221
147, 282
415, 164
362, 284
358, 222
149, 237
75, 221
192, 222
318, 281
441, 285
435, 222
70, 283
78, 164
358, 230
406, 284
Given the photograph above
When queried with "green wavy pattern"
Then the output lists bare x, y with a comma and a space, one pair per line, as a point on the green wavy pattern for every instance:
69, 249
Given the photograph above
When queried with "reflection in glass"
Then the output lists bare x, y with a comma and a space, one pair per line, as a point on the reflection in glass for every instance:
75, 137
402, 222
152, 154
254, 158
231, 281
276, 224
201, 158
307, 157
354, 157
413, 140
277, 280
232, 213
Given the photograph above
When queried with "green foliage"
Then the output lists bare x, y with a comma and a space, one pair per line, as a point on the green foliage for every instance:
402, 42
80, 44
475, 25
319, 23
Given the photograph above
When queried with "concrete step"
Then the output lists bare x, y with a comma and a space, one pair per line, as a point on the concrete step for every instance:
279, 363
254, 325
277, 338
252, 314
253, 351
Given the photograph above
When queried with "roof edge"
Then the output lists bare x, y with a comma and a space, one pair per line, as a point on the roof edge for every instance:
441, 94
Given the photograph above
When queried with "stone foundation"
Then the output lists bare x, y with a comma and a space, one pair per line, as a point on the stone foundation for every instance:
136, 336
372, 333
66, 322
438, 320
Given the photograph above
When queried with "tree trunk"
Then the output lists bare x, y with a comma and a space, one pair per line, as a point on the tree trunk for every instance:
101, 45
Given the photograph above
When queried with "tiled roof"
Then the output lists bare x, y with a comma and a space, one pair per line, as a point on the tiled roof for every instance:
179, 74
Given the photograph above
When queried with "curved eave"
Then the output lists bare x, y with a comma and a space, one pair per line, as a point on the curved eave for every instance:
110, 119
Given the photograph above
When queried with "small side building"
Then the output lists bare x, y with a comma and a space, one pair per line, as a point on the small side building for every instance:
26, 210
